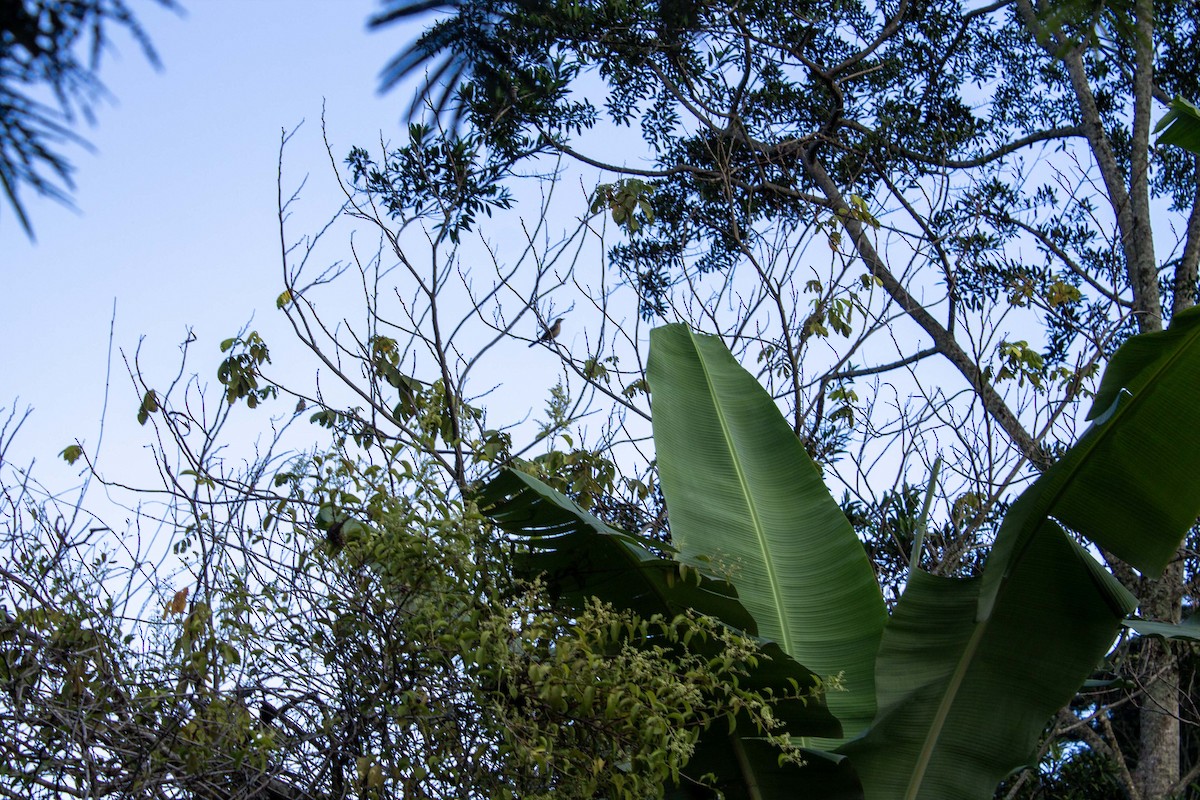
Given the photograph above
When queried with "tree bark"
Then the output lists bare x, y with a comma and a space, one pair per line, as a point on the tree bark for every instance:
1157, 771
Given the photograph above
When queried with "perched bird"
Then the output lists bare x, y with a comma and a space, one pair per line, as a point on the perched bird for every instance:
267, 712
550, 333
334, 536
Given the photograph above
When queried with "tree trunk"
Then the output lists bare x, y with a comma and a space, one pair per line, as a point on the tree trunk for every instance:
1157, 769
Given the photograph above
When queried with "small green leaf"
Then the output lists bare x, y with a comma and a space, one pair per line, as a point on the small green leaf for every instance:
201, 480
71, 453
283, 300
148, 407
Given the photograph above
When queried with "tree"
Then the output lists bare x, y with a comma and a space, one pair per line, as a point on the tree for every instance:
360, 632
398, 663
52, 47
986, 181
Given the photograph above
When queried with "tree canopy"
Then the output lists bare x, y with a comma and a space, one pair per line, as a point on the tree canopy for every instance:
887, 250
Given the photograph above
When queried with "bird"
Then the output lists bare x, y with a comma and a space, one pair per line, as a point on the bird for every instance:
267, 712
550, 333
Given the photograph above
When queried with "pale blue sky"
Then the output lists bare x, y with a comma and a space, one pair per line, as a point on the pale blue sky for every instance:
177, 206
177, 223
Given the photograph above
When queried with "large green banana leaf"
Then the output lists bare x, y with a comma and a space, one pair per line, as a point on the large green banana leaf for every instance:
968, 670
579, 557
743, 494
1129, 484
962, 701
1180, 125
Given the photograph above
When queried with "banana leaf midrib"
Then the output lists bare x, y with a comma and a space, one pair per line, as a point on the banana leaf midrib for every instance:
943, 712
759, 482
752, 509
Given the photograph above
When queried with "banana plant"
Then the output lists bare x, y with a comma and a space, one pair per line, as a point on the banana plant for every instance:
949, 694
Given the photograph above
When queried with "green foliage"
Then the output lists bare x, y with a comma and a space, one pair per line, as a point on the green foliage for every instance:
736, 101
889, 527
385, 359
845, 398
446, 179
629, 202
615, 705
581, 559
563, 705
585, 476
1074, 23
369, 638
149, 406
1021, 362
240, 372
1077, 774
71, 453
357, 629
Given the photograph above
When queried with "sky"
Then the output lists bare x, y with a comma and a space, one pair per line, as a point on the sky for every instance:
176, 226
176, 222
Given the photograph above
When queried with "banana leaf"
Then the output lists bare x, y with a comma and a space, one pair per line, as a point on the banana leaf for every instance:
970, 670
1181, 126
742, 494
1129, 484
580, 556
1188, 630
962, 701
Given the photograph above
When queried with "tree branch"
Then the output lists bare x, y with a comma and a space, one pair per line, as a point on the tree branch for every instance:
943, 340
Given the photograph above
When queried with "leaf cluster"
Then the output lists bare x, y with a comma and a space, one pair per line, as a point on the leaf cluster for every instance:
433, 176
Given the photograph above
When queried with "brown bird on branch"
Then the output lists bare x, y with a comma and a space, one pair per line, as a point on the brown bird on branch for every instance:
550, 334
